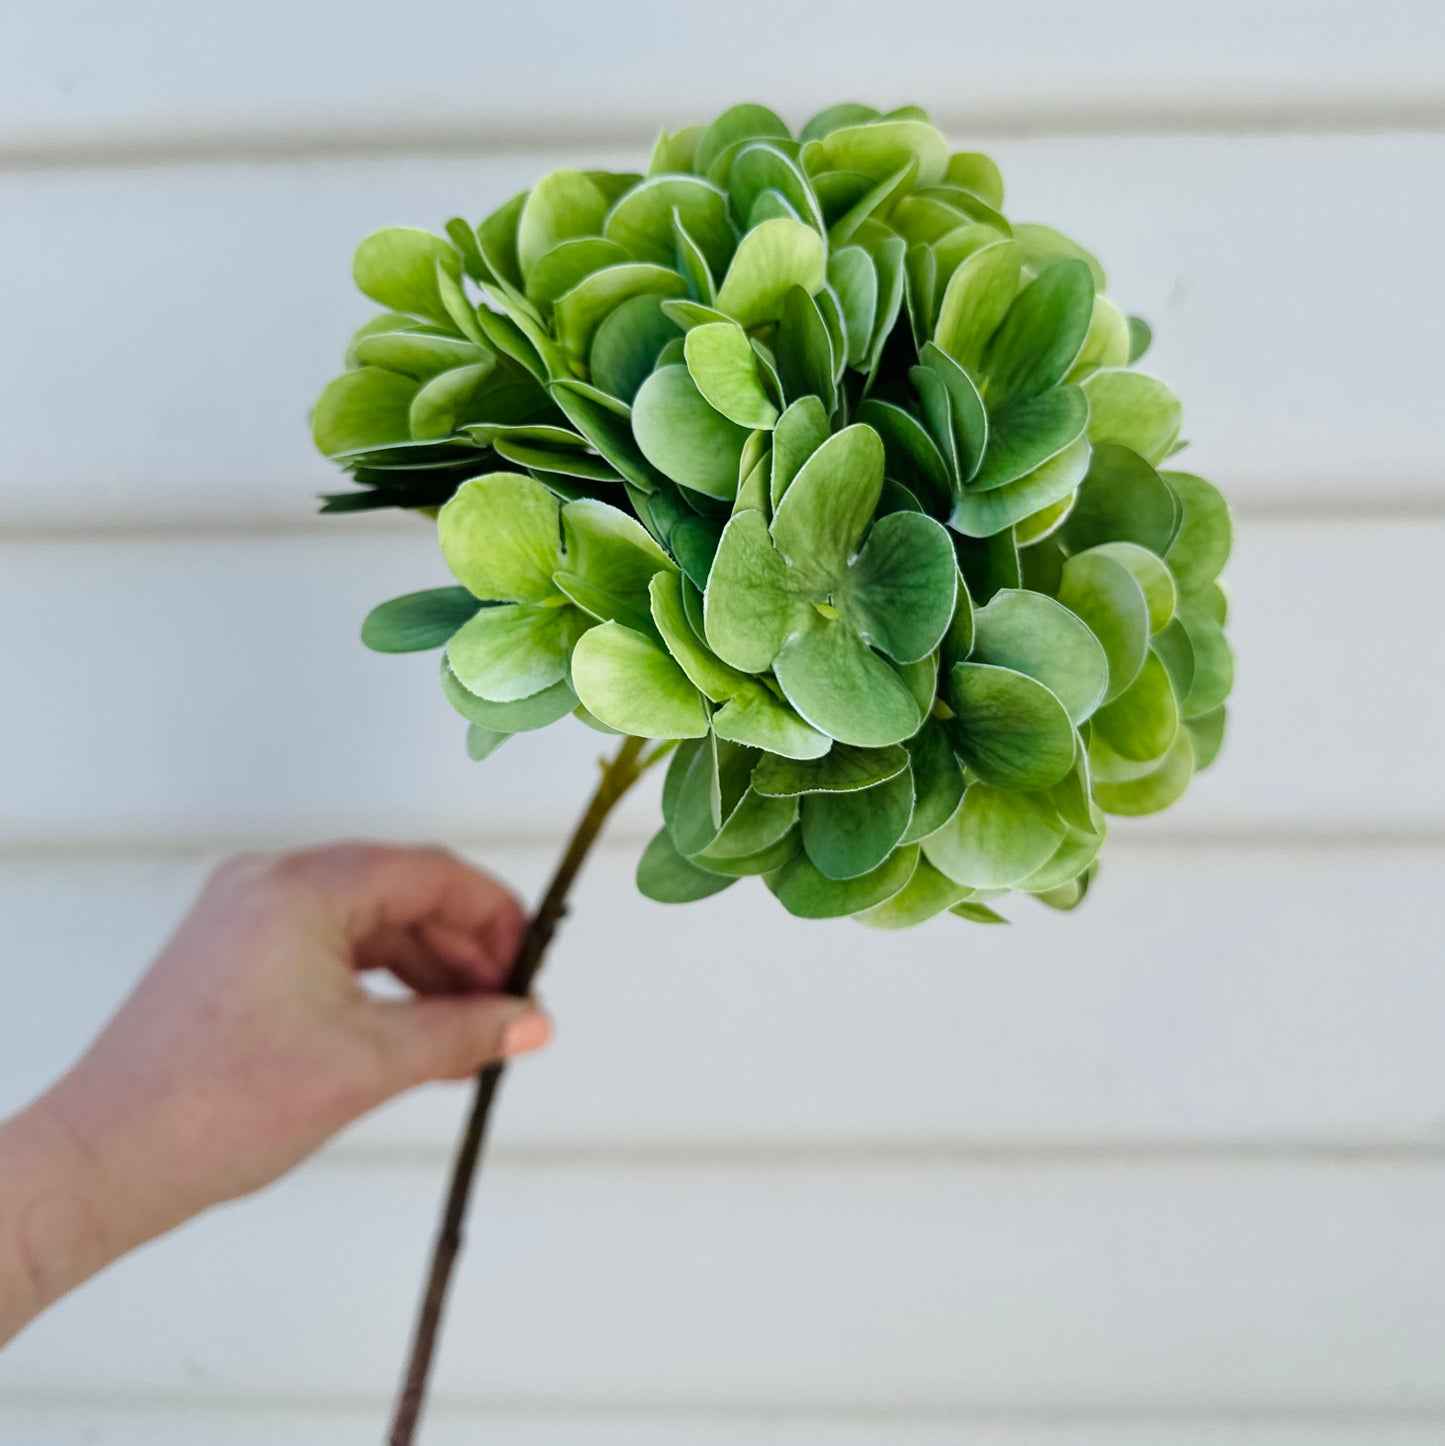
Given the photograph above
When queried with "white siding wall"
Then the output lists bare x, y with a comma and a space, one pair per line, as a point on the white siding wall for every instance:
1171, 1169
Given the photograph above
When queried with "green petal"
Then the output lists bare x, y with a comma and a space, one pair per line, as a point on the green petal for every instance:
983, 514
1176, 652
1042, 335
771, 259
968, 421
1122, 499
685, 438
665, 877
418, 621
1107, 344
1035, 635
899, 592
1106, 595
826, 509
834, 117
854, 278
1155, 791
1027, 434
927, 893
848, 834
567, 265
803, 350
976, 300
1201, 546
748, 606
879, 149
974, 171
367, 407
559, 207
1134, 411
501, 537
451, 400
1143, 720
539, 710
1153, 577
1077, 851
754, 717
937, 780
398, 268
735, 125
1213, 677
844, 769
610, 434
509, 653
642, 221
418, 354
998, 837
1042, 246
707, 672
911, 455
1009, 728
1206, 732
1140, 336
760, 167
721, 362
843, 688
582, 310
609, 563
800, 431
483, 742
804, 890
628, 682
755, 824
765, 861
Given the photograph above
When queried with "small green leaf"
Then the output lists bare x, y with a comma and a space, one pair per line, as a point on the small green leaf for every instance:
843, 688
451, 400
511, 652
997, 837
568, 264
632, 685
582, 310
879, 149
843, 770
1009, 728
1201, 546
826, 509
501, 536
1133, 410
1041, 336
1140, 336
483, 742
927, 894
1106, 595
562, 205
1157, 790
685, 438
854, 278
770, 260
418, 621
848, 834
1150, 573
800, 431
642, 221
803, 350
748, 606
804, 890
367, 407
1213, 677
1043, 246
418, 354
398, 268
1035, 635
524, 715
721, 362
1206, 732
665, 877
976, 299
983, 514
1022, 437
1143, 720
754, 717
1122, 499
899, 591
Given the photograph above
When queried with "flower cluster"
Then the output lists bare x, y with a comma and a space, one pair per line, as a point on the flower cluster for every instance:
795, 450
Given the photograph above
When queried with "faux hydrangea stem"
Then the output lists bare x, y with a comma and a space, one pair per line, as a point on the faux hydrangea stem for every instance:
619, 773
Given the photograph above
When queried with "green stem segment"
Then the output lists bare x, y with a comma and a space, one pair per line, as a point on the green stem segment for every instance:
619, 773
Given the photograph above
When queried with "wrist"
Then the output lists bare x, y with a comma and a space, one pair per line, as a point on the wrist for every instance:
52, 1235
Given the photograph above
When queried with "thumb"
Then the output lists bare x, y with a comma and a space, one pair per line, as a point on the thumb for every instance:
451, 1036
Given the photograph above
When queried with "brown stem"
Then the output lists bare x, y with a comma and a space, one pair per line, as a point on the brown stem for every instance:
619, 773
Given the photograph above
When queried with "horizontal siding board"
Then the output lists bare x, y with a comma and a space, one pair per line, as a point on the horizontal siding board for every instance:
307, 70
235, 1424
214, 691
1049, 1288
1225, 1001
227, 301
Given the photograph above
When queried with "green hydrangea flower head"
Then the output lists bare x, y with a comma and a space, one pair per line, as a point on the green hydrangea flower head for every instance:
795, 450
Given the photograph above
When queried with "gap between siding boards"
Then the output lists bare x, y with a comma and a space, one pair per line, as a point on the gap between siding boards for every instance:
482, 135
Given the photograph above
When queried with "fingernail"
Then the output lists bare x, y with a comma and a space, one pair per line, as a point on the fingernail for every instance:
530, 1031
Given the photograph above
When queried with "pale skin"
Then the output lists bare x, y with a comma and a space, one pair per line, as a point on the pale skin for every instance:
249, 1043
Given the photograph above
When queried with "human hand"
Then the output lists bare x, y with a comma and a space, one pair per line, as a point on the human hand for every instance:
251, 1041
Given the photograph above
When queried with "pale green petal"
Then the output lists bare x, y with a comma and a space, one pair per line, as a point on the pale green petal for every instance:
1009, 728
1155, 791
770, 260
367, 407
899, 592
848, 834
1201, 546
724, 368
398, 268
1143, 720
1033, 634
559, 207
749, 607
998, 837
501, 536
826, 509
665, 877
1150, 573
1106, 595
803, 889
976, 300
685, 438
1134, 411
508, 653
843, 770
628, 682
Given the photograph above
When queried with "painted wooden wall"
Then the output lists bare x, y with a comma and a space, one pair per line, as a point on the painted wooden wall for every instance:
1168, 1170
